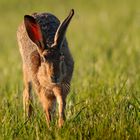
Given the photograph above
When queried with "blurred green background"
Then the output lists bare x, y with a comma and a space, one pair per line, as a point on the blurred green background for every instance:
104, 102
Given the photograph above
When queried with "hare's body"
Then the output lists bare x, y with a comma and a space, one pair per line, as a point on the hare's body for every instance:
34, 70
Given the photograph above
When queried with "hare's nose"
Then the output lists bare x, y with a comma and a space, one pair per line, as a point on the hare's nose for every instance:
54, 79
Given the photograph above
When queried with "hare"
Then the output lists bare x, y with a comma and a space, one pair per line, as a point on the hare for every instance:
47, 62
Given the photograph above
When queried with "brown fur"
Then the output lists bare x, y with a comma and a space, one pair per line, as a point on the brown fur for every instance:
48, 69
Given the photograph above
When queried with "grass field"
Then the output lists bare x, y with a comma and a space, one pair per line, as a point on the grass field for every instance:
104, 102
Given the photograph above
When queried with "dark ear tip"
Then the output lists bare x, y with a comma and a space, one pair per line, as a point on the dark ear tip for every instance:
26, 16
72, 12
29, 18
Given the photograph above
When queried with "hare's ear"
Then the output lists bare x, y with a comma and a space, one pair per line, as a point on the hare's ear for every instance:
60, 33
34, 31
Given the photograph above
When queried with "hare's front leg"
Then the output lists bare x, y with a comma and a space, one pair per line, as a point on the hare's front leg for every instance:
27, 95
61, 105
47, 103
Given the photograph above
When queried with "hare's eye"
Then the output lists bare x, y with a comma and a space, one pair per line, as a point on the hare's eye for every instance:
63, 71
62, 66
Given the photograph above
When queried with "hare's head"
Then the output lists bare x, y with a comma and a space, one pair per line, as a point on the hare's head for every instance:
52, 69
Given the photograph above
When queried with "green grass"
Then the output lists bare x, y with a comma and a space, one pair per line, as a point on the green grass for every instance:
104, 102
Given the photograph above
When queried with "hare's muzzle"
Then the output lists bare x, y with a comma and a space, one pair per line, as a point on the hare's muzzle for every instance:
54, 79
